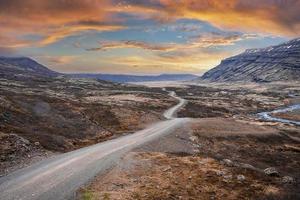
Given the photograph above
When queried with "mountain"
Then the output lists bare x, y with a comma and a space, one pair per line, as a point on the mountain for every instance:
275, 63
120, 78
24, 66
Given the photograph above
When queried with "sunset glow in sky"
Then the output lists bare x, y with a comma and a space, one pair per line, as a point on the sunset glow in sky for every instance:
142, 36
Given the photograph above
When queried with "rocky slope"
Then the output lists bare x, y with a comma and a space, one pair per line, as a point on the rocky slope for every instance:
59, 113
275, 63
23, 66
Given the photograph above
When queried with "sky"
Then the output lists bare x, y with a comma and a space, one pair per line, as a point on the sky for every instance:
142, 36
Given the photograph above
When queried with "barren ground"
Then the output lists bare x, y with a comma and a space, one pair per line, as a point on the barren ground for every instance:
226, 153
42, 116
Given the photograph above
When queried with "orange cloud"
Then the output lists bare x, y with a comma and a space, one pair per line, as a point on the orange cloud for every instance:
56, 19
183, 63
53, 20
268, 16
130, 44
61, 33
60, 60
196, 42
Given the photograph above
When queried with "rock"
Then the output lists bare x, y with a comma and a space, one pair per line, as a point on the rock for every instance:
287, 179
167, 169
247, 166
37, 144
271, 171
193, 138
227, 162
220, 173
241, 177
227, 178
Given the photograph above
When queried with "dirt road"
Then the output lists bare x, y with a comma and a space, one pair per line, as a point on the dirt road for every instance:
59, 177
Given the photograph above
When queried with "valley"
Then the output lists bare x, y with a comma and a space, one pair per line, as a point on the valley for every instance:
149, 100
225, 151
45, 115
72, 137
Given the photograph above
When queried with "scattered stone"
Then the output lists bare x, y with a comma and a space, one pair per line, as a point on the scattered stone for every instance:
167, 169
220, 173
287, 179
196, 151
227, 178
193, 138
37, 144
271, 171
292, 148
241, 178
201, 162
247, 166
227, 162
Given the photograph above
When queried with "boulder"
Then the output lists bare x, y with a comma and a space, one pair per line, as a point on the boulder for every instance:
271, 171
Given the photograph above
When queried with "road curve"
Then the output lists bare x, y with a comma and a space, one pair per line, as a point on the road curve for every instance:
170, 114
59, 177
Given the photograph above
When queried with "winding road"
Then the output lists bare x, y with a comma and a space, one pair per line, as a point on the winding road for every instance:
59, 177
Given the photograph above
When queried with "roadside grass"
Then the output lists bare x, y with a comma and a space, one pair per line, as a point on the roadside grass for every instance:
106, 196
87, 195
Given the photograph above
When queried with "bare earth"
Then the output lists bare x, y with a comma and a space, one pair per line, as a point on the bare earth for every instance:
45, 116
226, 153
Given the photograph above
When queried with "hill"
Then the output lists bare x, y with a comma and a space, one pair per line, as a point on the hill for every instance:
275, 63
24, 66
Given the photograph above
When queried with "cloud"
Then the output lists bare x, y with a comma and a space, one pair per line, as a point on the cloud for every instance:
218, 39
58, 60
130, 44
61, 33
53, 20
195, 42
183, 63
268, 16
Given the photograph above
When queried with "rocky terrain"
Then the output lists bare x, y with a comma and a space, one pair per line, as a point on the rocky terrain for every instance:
23, 66
275, 63
225, 152
43, 111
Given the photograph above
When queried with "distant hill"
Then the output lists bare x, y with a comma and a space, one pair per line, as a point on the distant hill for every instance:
275, 63
24, 66
120, 78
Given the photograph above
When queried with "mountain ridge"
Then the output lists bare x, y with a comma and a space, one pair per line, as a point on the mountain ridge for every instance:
20, 66
24, 65
275, 63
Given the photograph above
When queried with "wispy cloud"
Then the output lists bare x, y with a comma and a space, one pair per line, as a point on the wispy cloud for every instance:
54, 20
195, 42
57, 19
107, 45
61, 60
